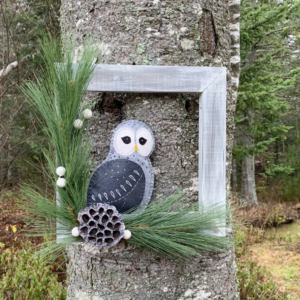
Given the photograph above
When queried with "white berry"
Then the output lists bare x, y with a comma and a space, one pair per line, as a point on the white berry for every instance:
61, 182
78, 123
75, 231
60, 171
127, 234
87, 114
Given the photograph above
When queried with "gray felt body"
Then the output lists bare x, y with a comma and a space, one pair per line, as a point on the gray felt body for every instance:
123, 181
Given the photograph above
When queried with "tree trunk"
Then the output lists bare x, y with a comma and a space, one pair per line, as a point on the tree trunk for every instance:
248, 187
186, 33
234, 176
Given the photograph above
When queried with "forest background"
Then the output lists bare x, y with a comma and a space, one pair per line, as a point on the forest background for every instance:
266, 160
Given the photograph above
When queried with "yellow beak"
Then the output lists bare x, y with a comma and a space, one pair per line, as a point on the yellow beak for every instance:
136, 148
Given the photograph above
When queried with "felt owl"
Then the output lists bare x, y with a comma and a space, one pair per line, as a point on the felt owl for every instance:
125, 178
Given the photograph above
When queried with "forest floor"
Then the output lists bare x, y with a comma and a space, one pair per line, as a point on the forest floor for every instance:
12, 223
22, 274
268, 255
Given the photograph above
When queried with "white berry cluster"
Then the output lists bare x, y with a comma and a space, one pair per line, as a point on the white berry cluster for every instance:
61, 182
87, 114
127, 233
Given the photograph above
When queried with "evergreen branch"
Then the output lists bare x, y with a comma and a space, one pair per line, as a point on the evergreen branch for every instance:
57, 97
178, 233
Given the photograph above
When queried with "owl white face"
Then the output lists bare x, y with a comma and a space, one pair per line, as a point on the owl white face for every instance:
126, 141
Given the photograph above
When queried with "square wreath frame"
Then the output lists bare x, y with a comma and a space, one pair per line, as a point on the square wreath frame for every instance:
210, 83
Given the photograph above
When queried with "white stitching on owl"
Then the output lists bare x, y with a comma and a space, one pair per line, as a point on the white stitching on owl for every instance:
132, 178
126, 194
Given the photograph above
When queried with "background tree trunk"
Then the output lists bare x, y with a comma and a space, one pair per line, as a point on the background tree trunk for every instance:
186, 33
234, 176
248, 186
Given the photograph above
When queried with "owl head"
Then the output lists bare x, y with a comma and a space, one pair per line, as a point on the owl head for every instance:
132, 137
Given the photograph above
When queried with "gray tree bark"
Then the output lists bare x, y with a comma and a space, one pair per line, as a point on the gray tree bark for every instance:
248, 186
234, 176
187, 32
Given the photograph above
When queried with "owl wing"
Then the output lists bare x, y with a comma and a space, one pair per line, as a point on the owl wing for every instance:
117, 182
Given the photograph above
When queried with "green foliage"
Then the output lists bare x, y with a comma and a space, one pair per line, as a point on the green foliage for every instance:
273, 170
267, 72
260, 21
274, 248
276, 218
239, 240
23, 276
288, 186
57, 97
22, 24
176, 232
256, 283
28, 21
240, 151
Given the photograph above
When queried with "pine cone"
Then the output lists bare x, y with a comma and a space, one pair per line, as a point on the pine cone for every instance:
101, 225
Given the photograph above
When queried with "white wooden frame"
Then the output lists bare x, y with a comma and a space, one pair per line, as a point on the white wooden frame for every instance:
210, 82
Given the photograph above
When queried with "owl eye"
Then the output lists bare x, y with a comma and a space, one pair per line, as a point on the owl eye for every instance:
145, 141
124, 141
142, 141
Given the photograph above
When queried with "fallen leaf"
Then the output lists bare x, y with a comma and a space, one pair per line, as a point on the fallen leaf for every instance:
14, 228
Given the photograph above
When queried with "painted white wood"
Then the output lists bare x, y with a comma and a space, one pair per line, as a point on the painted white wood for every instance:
152, 79
212, 146
61, 233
